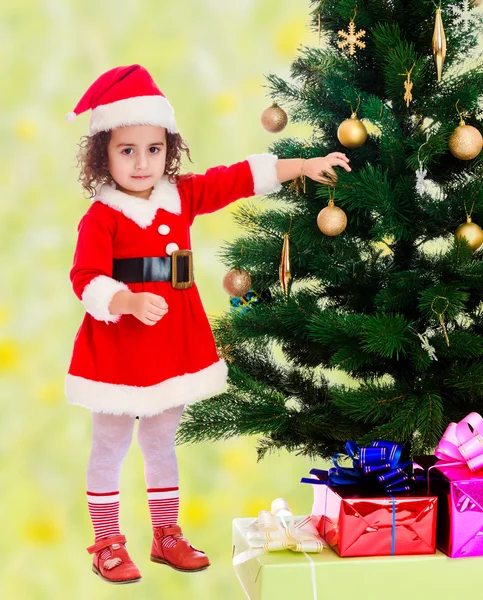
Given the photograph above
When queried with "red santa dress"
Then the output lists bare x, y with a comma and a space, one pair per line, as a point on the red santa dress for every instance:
120, 365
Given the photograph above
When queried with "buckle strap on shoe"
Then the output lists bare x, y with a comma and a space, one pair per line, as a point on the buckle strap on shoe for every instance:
161, 532
101, 544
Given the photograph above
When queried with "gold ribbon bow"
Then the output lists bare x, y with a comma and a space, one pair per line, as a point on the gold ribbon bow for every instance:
270, 534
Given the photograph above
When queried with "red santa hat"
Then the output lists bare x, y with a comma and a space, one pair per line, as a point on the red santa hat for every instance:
125, 96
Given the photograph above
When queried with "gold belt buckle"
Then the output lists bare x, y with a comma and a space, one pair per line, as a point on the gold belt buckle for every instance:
177, 269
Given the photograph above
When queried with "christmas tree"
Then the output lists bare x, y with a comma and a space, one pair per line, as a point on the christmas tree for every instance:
394, 301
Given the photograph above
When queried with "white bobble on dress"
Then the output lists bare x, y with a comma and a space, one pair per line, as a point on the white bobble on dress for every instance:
170, 248
164, 229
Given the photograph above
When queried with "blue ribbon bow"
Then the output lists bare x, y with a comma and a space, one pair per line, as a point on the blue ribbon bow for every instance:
378, 465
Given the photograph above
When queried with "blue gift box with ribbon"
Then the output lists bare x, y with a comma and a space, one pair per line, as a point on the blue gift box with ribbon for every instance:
242, 304
377, 507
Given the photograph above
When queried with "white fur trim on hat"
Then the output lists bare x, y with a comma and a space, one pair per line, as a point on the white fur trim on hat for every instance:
147, 401
264, 172
139, 110
97, 296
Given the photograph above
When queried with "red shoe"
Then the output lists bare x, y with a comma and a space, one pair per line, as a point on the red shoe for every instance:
119, 568
182, 557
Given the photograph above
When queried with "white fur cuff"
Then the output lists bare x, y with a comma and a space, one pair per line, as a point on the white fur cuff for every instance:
264, 173
97, 296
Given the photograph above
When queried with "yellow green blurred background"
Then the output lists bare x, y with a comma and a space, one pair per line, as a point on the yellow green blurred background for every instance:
209, 57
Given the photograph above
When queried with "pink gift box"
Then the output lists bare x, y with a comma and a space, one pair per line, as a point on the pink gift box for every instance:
460, 509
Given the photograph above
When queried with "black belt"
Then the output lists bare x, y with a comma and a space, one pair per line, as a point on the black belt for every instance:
177, 268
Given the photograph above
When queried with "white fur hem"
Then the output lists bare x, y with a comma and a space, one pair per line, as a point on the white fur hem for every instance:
264, 173
146, 401
97, 296
140, 110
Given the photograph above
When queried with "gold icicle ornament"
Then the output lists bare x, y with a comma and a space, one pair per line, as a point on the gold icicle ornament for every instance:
284, 272
439, 43
440, 312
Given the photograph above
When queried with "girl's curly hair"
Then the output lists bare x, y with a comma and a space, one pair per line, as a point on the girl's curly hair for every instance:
92, 159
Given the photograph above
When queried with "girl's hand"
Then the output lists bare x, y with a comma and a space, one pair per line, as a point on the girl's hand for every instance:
320, 168
148, 308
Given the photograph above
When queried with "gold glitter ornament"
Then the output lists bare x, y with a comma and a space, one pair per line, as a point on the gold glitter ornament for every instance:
466, 142
472, 233
274, 118
284, 272
331, 220
439, 43
237, 282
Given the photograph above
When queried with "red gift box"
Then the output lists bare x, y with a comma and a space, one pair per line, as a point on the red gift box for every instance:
355, 523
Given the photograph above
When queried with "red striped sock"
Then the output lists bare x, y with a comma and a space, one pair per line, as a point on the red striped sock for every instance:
164, 508
104, 512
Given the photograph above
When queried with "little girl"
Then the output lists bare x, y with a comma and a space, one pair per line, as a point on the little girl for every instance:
145, 348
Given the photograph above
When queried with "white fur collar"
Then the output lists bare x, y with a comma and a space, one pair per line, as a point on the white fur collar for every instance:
165, 195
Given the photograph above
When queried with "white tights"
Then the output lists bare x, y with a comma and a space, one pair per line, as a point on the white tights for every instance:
111, 438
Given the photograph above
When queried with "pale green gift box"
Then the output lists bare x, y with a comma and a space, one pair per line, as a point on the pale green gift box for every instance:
291, 575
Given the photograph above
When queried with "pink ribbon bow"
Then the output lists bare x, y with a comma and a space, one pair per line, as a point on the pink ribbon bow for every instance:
462, 443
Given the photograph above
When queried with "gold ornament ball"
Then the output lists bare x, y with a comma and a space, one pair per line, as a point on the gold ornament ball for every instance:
332, 220
465, 142
472, 232
274, 118
352, 133
237, 282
